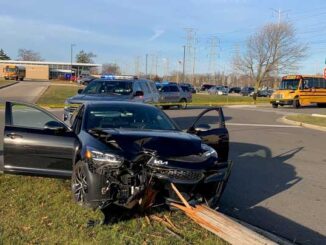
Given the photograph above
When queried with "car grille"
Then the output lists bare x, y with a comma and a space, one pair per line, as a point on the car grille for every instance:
72, 108
278, 96
179, 174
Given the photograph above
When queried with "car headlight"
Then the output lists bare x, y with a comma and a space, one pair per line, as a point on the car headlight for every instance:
104, 159
209, 151
66, 105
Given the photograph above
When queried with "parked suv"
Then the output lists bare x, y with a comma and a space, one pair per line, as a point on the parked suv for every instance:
174, 95
113, 88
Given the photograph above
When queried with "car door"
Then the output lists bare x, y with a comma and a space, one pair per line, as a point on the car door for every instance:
175, 93
36, 142
210, 127
166, 94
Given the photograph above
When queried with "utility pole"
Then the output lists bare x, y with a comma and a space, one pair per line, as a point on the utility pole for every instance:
146, 65
71, 49
183, 63
193, 67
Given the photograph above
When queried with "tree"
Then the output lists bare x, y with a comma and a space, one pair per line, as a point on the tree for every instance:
28, 55
83, 57
111, 68
271, 50
3, 55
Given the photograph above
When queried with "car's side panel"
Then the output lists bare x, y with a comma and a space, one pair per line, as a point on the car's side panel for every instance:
37, 151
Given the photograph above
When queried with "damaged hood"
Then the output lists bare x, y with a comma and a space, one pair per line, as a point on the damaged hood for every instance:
165, 143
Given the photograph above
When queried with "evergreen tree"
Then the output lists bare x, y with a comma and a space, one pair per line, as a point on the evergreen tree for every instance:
3, 55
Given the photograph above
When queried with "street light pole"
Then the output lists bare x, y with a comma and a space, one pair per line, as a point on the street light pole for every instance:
146, 64
71, 49
184, 61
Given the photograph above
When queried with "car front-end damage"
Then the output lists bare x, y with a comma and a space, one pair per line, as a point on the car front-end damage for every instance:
140, 165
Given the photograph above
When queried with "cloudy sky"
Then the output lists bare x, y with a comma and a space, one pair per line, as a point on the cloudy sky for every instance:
120, 31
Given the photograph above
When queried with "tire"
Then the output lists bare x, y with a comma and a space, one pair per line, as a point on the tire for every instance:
165, 107
321, 105
274, 105
21, 79
16, 78
85, 186
296, 103
183, 105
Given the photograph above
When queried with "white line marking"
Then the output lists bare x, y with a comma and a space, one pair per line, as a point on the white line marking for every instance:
262, 125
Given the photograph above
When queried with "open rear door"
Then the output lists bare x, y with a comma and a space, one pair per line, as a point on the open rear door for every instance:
210, 127
36, 142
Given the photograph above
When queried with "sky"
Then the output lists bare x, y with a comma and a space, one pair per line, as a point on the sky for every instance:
125, 31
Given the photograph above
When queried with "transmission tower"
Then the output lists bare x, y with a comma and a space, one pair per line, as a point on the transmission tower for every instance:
190, 46
213, 44
137, 65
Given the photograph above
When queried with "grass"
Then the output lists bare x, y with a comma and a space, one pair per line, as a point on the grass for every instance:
220, 99
319, 121
6, 82
55, 96
37, 210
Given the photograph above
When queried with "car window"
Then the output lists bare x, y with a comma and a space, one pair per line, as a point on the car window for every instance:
165, 89
137, 87
145, 87
153, 87
174, 89
29, 117
128, 117
109, 87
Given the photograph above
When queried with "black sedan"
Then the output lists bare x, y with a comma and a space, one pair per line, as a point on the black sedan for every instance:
119, 153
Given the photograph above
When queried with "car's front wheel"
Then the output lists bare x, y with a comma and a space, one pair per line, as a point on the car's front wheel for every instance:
79, 184
86, 186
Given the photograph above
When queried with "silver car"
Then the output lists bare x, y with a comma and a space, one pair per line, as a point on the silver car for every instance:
174, 95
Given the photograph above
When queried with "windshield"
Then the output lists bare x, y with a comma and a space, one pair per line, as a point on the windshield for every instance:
289, 84
109, 87
127, 117
8, 69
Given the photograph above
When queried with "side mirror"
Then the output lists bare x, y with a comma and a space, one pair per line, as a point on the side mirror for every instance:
55, 126
80, 91
202, 127
138, 94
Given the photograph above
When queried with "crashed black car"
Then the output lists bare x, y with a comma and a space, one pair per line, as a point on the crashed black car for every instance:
119, 153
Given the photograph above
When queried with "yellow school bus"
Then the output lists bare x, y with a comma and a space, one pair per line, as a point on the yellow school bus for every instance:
14, 72
300, 90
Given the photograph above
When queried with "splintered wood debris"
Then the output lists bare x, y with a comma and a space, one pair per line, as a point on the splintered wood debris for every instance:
219, 224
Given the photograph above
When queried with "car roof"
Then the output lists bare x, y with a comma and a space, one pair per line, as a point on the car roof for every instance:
122, 103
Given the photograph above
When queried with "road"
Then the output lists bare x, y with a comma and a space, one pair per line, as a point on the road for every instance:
278, 179
26, 91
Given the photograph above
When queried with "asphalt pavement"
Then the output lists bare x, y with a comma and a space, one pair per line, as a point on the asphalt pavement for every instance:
26, 91
278, 179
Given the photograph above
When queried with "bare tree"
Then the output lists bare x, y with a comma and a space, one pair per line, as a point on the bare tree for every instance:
28, 55
3, 55
83, 57
273, 49
111, 68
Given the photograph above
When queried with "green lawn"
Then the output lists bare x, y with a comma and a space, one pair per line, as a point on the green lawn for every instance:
6, 82
319, 121
220, 99
55, 96
41, 211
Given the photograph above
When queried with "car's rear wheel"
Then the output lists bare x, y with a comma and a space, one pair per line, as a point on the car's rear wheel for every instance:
165, 107
183, 104
275, 105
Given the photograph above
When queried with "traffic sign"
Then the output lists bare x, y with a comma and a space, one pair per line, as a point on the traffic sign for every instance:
325, 73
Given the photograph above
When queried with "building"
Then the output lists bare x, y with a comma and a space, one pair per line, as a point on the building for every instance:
45, 70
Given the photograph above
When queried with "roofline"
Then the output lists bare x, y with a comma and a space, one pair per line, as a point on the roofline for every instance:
48, 63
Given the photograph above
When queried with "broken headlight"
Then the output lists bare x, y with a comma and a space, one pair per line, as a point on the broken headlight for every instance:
208, 151
104, 159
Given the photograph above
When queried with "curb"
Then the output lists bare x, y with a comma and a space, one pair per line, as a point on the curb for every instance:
305, 125
8, 85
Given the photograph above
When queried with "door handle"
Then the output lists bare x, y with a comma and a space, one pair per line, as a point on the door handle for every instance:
14, 135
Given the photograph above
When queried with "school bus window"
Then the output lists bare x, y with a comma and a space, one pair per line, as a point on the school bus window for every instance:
289, 84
